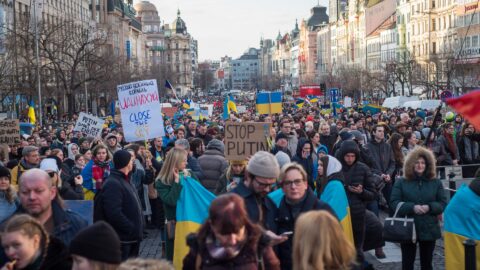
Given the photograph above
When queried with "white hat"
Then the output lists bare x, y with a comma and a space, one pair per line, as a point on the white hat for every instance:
49, 164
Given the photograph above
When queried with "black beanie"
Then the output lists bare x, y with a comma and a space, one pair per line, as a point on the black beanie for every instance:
4, 172
98, 242
121, 158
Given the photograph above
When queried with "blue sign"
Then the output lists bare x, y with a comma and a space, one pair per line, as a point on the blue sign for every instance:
334, 95
128, 49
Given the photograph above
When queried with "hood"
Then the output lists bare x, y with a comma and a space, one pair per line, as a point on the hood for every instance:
334, 166
216, 145
348, 147
300, 145
412, 157
69, 150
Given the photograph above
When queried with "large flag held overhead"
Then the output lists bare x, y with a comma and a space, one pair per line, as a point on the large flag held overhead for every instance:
299, 102
229, 106
467, 106
31, 113
192, 211
269, 102
462, 222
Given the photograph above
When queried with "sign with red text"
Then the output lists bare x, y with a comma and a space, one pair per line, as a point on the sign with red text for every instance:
140, 110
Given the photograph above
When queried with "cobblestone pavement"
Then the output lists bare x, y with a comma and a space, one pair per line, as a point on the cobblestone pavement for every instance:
151, 248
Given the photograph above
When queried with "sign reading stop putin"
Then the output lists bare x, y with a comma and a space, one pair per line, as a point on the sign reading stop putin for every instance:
243, 140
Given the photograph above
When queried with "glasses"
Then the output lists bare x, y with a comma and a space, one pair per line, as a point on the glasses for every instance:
296, 182
51, 174
263, 185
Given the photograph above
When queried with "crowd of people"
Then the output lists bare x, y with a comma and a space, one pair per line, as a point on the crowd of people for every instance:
377, 160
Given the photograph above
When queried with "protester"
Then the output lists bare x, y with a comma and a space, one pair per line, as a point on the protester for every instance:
30, 159
72, 150
424, 199
260, 176
409, 142
286, 129
8, 196
228, 239
121, 206
213, 164
192, 163
96, 171
305, 157
96, 247
448, 141
327, 138
28, 246
468, 147
197, 147
232, 177
319, 243
111, 141
157, 149
299, 198
281, 145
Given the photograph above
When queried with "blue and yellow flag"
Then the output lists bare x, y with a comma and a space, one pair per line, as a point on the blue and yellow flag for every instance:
269, 102
299, 102
373, 109
312, 99
192, 211
462, 222
335, 196
31, 113
232, 106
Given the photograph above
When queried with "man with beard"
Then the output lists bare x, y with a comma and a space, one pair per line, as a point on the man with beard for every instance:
281, 144
261, 174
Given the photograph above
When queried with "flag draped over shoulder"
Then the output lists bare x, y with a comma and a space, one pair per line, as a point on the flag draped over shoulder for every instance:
31, 113
462, 222
192, 211
334, 194
467, 106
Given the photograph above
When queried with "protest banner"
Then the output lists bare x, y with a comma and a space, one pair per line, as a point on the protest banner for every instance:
242, 109
9, 132
140, 110
347, 102
89, 125
245, 139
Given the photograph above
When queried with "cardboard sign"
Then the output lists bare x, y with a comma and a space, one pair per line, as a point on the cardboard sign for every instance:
89, 124
170, 112
245, 139
9, 132
140, 110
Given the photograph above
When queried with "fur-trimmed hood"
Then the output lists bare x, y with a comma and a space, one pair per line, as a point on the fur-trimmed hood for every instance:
412, 157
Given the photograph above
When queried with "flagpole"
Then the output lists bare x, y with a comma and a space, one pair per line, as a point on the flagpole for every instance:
37, 53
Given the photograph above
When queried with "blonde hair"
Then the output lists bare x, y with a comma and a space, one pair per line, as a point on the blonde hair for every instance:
320, 243
28, 226
173, 160
292, 166
145, 264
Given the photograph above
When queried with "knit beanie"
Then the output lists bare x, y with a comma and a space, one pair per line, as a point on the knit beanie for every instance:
4, 172
216, 145
98, 242
264, 164
121, 158
282, 158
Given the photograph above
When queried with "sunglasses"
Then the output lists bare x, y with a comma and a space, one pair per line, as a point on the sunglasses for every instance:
51, 174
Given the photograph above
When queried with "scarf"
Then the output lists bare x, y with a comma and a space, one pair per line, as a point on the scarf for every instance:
100, 172
219, 252
451, 145
27, 166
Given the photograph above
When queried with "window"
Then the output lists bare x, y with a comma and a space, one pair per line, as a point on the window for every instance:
433, 25
474, 41
433, 4
434, 48
467, 42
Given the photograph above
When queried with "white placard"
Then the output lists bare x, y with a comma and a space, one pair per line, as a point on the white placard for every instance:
90, 125
347, 102
140, 110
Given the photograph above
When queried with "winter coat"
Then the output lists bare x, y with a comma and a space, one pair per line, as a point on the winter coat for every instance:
122, 207
286, 219
329, 141
213, 164
256, 247
307, 163
252, 205
7, 208
18, 170
194, 166
419, 190
468, 148
382, 156
292, 139
223, 183
449, 155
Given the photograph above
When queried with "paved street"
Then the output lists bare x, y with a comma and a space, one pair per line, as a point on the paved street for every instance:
151, 246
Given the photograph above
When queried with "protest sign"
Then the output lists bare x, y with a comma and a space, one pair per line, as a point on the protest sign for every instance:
245, 139
347, 102
89, 125
170, 112
9, 132
242, 109
140, 110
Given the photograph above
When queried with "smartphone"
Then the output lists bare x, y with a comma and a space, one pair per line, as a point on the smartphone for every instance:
287, 233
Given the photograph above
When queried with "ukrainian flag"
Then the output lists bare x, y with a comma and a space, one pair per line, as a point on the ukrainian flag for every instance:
299, 103
192, 211
231, 105
186, 104
335, 196
31, 113
269, 102
462, 222
373, 109
313, 99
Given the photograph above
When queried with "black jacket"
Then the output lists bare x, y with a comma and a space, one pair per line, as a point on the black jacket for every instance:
286, 223
307, 163
329, 141
122, 207
382, 157
357, 173
252, 204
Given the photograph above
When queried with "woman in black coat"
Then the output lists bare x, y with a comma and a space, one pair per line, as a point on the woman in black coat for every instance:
305, 157
360, 190
298, 199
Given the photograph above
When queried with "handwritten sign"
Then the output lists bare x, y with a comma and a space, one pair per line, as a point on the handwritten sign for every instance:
89, 125
245, 139
9, 132
140, 110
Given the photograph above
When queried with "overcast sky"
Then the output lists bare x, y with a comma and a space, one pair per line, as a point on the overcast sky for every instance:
230, 27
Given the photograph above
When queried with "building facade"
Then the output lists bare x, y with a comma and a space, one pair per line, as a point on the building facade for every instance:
245, 71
